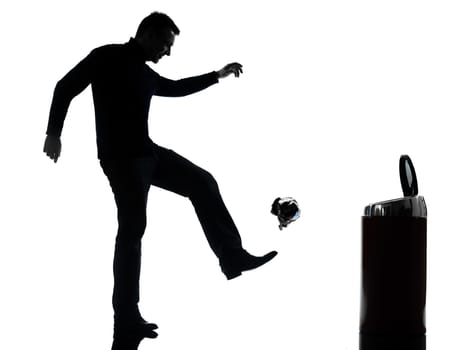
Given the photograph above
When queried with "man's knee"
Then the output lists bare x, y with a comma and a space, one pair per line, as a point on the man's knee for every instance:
131, 227
206, 184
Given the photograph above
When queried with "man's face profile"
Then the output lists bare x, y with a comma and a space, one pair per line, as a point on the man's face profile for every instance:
160, 45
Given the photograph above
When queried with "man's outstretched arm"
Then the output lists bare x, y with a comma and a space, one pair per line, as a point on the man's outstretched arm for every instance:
71, 85
187, 86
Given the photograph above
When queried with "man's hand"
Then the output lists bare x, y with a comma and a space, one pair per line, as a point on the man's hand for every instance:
235, 68
53, 147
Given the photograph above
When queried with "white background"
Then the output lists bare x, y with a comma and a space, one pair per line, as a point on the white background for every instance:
333, 92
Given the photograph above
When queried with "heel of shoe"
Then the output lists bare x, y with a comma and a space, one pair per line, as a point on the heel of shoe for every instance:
230, 272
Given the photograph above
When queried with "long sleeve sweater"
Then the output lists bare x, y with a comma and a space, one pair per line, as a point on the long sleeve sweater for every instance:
122, 88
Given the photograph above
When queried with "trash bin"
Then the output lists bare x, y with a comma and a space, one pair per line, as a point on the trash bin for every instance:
393, 279
392, 342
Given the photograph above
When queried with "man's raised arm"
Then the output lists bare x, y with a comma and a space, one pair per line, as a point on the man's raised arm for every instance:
187, 86
71, 85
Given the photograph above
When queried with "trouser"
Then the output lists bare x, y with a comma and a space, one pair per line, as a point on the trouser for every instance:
130, 180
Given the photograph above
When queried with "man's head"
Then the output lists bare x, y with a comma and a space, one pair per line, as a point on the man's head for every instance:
156, 34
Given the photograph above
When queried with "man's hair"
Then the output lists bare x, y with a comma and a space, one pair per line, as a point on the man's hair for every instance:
157, 22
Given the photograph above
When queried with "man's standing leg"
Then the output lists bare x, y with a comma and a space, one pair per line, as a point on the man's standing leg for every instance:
130, 181
179, 175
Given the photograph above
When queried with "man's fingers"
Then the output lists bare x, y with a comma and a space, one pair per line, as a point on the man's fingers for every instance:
52, 155
237, 67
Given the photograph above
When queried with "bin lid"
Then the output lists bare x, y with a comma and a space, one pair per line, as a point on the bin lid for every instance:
406, 206
411, 204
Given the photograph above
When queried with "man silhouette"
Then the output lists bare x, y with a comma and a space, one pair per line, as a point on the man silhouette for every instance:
122, 87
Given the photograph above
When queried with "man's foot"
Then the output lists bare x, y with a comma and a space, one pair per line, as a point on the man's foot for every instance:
137, 328
234, 264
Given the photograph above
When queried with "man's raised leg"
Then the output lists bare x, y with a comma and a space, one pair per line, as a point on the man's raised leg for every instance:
179, 175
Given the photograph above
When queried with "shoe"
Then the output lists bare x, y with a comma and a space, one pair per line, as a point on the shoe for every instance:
137, 328
233, 265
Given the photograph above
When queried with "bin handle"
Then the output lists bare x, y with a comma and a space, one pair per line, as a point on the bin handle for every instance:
408, 176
